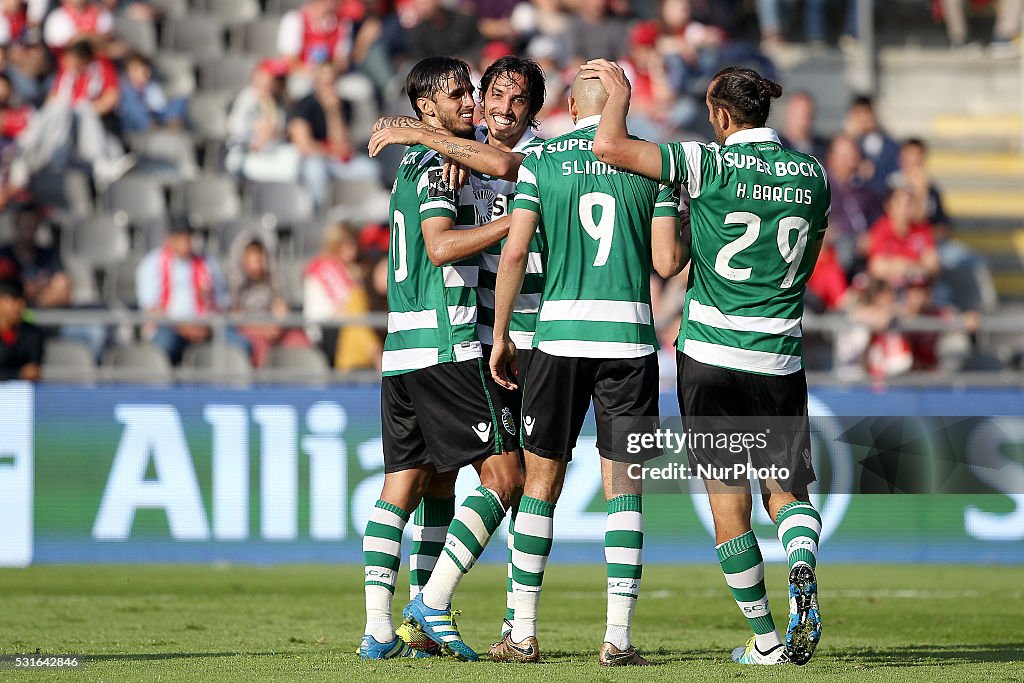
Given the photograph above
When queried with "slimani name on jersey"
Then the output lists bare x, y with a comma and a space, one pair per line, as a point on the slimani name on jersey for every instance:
595, 222
431, 310
758, 212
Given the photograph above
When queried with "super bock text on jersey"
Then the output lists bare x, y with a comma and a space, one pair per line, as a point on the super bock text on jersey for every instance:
595, 336
437, 406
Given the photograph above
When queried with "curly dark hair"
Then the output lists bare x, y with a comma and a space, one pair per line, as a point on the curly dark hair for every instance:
513, 68
745, 94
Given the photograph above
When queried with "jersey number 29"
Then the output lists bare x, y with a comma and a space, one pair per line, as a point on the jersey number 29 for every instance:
792, 252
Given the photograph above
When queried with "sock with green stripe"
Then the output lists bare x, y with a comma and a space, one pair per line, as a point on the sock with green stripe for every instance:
382, 555
799, 530
510, 602
623, 553
743, 566
474, 523
429, 526
532, 546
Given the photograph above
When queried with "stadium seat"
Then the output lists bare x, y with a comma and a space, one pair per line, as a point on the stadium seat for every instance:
288, 364
137, 363
235, 14
244, 228
68, 191
167, 155
119, 285
139, 35
141, 199
83, 280
260, 37
282, 6
287, 203
226, 74
206, 364
200, 36
208, 119
68, 360
210, 199
359, 201
101, 239
176, 72
358, 90
170, 9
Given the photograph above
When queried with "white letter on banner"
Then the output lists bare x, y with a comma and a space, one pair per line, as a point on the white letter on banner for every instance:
16, 467
151, 430
987, 463
279, 472
230, 471
328, 480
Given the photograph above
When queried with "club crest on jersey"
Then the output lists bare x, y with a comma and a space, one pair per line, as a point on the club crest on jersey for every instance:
528, 424
483, 430
507, 421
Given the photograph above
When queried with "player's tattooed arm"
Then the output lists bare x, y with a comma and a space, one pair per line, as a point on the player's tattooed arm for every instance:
478, 156
511, 272
400, 122
612, 143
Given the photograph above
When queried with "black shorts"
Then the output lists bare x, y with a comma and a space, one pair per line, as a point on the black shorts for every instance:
512, 398
731, 416
559, 392
448, 415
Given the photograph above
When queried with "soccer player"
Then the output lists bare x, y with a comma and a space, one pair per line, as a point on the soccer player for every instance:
512, 94
594, 342
758, 215
438, 409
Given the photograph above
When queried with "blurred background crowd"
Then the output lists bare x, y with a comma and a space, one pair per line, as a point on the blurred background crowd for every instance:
188, 157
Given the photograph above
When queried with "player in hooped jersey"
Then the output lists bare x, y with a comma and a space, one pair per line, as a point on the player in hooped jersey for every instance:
512, 93
439, 409
594, 341
758, 214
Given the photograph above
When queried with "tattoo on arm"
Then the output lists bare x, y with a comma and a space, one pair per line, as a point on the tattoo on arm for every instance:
400, 122
453, 150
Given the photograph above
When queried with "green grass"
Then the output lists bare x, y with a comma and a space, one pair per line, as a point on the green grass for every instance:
186, 623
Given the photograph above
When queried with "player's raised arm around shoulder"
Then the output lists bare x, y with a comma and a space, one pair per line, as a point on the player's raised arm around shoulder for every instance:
479, 156
509, 282
612, 143
669, 251
438, 211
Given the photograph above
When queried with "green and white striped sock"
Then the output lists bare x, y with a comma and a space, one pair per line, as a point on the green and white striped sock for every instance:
382, 555
510, 601
468, 534
532, 545
623, 553
743, 566
429, 526
799, 530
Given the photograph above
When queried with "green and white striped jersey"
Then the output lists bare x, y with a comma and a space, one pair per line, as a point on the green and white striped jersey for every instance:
493, 198
431, 310
595, 221
757, 213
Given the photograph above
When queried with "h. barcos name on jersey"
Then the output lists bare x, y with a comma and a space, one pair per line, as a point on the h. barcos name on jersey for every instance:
772, 193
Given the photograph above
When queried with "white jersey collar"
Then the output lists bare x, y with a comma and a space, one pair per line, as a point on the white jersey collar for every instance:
528, 135
587, 122
753, 135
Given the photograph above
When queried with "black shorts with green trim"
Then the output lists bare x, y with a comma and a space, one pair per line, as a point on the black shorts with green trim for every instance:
448, 415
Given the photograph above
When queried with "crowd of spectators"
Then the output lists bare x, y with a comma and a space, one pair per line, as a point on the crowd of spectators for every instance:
81, 86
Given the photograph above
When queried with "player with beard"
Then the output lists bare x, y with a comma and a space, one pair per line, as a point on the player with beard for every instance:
758, 215
512, 93
439, 411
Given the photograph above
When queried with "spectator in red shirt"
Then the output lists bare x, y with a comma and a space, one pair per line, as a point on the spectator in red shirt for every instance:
74, 21
901, 249
827, 286
314, 34
84, 92
13, 118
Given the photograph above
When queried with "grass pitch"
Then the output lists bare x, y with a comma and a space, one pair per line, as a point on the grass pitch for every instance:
187, 623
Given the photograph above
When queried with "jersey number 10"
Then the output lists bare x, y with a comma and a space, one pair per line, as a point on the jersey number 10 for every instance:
792, 253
